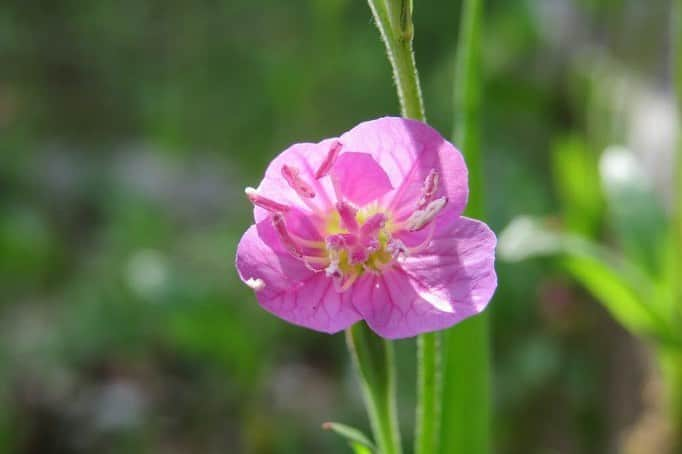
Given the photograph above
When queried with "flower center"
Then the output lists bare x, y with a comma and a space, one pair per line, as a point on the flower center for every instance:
354, 240
357, 241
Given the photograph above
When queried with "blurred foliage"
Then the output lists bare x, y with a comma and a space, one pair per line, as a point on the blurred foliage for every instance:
127, 132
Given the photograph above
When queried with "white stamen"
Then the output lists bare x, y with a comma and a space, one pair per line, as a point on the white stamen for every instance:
428, 189
348, 213
346, 285
396, 248
255, 284
421, 218
333, 270
264, 202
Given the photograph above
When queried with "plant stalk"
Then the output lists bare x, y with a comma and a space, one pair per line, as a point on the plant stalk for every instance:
373, 360
429, 393
394, 20
466, 392
671, 372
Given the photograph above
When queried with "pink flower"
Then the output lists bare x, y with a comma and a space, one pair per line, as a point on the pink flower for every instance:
368, 226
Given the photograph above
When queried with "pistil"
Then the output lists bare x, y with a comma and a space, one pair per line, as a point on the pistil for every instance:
428, 189
329, 160
264, 202
421, 218
293, 177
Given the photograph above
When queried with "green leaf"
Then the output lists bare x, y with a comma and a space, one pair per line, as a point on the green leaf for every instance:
576, 176
360, 449
613, 292
636, 217
668, 283
467, 398
527, 237
622, 287
353, 435
465, 426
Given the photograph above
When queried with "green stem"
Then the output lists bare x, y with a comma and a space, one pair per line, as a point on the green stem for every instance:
373, 359
394, 20
671, 370
466, 391
428, 393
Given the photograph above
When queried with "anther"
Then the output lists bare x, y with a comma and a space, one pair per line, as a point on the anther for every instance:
255, 284
358, 255
329, 160
292, 175
284, 236
340, 241
347, 213
372, 245
421, 218
333, 270
428, 189
264, 202
373, 225
396, 248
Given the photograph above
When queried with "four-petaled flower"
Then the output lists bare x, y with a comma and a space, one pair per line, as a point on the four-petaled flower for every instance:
368, 226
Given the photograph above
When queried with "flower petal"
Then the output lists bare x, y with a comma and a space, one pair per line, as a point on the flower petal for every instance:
458, 264
305, 158
395, 308
408, 150
451, 279
287, 288
359, 178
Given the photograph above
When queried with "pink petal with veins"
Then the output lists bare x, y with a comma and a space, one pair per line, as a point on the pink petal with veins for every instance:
359, 178
408, 150
306, 158
407, 264
449, 281
289, 289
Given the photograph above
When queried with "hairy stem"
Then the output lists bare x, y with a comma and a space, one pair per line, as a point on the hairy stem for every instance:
466, 391
394, 20
373, 360
429, 393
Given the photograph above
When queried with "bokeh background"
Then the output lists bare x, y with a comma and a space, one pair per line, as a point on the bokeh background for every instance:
128, 130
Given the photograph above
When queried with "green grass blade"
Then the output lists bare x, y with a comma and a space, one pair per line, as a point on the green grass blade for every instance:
373, 359
466, 374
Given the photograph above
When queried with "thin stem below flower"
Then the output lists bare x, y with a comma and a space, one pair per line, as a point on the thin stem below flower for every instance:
428, 393
373, 359
394, 20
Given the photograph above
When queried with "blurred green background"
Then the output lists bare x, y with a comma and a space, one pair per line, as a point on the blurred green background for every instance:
128, 130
